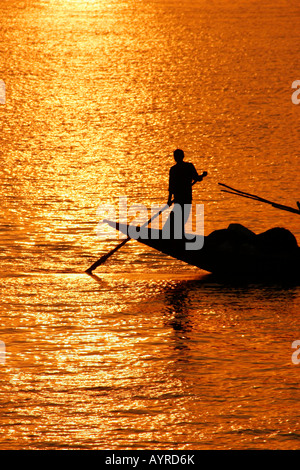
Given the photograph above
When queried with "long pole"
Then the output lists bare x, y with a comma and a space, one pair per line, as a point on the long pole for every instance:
111, 252
237, 192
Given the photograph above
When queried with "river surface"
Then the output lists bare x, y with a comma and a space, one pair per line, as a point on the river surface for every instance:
148, 353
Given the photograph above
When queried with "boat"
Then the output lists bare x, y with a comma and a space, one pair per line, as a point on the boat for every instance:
231, 252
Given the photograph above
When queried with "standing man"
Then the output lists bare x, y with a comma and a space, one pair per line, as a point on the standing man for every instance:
181, 178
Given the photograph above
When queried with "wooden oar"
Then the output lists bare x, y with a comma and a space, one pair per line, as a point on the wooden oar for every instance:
237, 192
111, 252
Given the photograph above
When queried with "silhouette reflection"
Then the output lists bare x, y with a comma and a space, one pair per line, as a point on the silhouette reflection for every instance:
176, 313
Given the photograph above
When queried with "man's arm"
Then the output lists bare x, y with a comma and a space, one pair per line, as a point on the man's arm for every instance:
196, 176
170, 188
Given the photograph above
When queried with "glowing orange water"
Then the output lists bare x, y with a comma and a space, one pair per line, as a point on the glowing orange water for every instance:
145, 355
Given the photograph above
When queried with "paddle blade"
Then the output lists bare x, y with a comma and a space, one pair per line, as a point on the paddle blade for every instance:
105, 257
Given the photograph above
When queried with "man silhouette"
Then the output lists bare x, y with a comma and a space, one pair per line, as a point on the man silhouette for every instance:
181, 178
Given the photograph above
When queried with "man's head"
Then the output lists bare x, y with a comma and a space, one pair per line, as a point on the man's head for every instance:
178, 155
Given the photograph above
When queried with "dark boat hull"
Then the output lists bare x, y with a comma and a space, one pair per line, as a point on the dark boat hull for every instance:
235, 251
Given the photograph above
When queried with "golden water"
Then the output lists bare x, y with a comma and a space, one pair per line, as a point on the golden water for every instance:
148, 354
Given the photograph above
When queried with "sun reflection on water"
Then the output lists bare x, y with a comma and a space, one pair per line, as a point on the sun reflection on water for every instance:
147, 353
